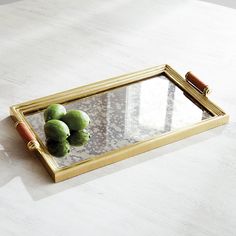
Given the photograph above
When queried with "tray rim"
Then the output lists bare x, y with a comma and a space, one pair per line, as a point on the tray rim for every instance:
18, 112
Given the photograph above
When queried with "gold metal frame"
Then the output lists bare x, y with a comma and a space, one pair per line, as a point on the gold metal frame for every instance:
18, 115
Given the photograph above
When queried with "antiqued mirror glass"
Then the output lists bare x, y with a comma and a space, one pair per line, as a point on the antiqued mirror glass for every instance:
127, 115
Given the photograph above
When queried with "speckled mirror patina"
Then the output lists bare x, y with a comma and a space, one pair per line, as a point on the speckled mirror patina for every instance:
129, 115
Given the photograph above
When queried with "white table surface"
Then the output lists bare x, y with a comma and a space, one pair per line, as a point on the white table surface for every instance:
186, 188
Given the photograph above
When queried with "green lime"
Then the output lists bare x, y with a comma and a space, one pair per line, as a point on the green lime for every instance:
58, 149
54, 111
56, 130
79, 137
76, 119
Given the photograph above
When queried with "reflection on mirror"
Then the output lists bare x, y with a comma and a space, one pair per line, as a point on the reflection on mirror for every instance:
127, 115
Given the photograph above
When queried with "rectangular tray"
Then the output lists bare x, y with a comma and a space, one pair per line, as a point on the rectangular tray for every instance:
130, 114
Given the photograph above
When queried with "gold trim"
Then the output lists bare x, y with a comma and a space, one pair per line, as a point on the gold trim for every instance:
206, 91
19, 111
33, 144
17, 123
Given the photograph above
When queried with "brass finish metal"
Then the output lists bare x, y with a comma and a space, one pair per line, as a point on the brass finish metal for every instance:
33, 145
19, 111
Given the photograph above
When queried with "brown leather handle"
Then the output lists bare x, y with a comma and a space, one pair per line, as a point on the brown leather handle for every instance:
24, 132
197, 83
27, 136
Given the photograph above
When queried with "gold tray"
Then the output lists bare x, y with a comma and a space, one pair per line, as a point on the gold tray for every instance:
130, 114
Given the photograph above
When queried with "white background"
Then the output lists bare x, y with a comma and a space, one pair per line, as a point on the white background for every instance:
186, 188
